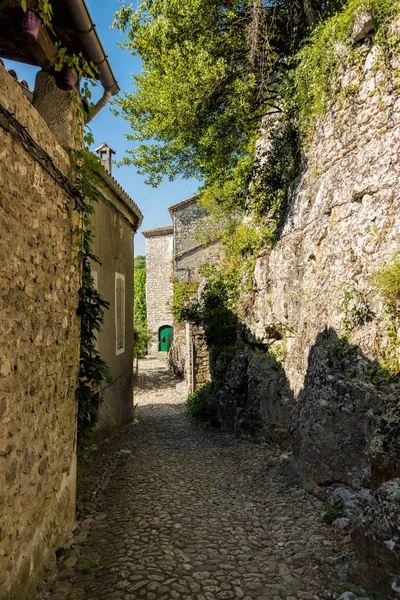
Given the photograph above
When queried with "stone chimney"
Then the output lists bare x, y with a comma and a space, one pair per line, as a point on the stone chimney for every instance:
105, 154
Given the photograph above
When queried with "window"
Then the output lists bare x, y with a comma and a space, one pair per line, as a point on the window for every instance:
120, 313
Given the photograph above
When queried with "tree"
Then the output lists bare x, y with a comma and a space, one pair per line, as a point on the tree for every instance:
211, 70
139, 262
139, 292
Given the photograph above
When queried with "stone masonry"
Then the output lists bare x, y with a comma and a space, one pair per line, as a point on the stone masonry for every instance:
189, 253
159, 244
189, 354
39, 354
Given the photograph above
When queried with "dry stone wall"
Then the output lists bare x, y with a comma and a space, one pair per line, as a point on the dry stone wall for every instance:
39, 355
315, 328
158, 281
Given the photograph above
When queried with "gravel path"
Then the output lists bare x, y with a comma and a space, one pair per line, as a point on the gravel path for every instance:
180, 511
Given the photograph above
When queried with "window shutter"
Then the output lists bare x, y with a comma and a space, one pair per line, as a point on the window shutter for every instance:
120, 312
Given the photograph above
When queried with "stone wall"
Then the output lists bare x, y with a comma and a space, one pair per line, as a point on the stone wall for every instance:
314, 327
189, 253
158, 281
189, 256
39, 354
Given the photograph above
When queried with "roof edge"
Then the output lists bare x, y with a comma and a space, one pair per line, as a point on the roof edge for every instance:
92, 43
186, 202
169, 230
122, 195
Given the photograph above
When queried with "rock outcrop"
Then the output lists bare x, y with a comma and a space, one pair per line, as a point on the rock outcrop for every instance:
314, 329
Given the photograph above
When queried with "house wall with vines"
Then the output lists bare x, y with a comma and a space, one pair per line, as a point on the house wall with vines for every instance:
39, 355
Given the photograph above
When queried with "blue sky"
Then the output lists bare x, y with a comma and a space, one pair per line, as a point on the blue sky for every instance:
107, 128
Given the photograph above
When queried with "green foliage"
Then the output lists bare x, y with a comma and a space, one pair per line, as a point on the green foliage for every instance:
215, 311
313, 83
139, 298
282, 164
76, 62
197, 404
180, 291
139, 263
210, 72
141, 340
333, 512
93, 371
355, 309
387, 282
88, 565
359, 591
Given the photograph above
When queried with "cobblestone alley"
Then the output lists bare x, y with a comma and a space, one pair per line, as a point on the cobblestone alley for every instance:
175, 510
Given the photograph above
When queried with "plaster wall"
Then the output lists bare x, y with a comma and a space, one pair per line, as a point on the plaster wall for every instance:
114, 237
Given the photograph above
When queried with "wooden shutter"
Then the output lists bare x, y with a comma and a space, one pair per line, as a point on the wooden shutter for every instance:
120, 312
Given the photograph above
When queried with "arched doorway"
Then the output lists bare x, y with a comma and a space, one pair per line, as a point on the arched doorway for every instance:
165, 338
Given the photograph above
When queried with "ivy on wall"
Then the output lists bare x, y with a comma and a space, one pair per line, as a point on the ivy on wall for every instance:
180, 291
93, 370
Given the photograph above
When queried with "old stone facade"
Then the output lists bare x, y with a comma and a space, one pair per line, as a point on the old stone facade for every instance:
39, 357
315, 327
115, 221
189, 253
159, 244
40, 281
189, 355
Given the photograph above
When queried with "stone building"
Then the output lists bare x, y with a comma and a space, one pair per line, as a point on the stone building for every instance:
159, 243
174, 254
115, 222
189, 354
189, 253
40, 280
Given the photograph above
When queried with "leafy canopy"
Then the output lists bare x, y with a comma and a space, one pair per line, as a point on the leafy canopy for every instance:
210, 72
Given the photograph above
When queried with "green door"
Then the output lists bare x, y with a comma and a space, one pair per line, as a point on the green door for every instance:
165, 338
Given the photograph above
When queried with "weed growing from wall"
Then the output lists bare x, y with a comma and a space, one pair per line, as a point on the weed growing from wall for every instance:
314, 81
387, 283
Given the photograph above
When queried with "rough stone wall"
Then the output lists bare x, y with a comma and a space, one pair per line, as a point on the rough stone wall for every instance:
189, 254
158, 284
315, 316
39, 355
189, 257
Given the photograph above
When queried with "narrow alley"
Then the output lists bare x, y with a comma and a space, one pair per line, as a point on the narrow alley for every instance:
180, 511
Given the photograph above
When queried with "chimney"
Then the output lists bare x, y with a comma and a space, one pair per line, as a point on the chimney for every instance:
105, 154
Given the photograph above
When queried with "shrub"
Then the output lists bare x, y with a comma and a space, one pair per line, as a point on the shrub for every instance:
197, 404
387, 282
333, 512
180, 291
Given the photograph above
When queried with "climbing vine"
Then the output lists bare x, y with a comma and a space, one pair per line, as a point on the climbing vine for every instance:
180, 291
93, 371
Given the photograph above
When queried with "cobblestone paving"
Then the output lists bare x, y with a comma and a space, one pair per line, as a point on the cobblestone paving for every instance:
181, 511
